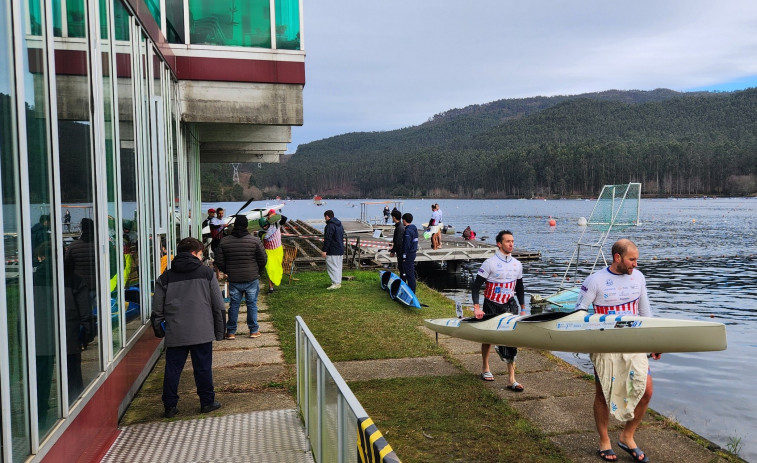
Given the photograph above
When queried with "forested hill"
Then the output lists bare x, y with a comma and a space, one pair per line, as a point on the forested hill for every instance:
674, 143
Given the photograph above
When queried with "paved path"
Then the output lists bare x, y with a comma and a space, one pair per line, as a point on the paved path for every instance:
255, 423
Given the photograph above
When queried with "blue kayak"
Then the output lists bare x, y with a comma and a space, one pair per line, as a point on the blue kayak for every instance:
400, 291
387, 278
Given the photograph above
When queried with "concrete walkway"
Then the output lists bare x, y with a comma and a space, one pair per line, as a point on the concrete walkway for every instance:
259, 421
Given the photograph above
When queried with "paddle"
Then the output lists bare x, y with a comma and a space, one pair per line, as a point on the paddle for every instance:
245, 205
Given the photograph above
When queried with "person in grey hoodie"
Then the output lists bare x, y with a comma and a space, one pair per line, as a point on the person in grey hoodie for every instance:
187, 307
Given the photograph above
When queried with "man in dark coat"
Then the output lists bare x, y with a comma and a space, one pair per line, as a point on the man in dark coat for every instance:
333, 248
187, 305
241, 257
397, 238
409, 250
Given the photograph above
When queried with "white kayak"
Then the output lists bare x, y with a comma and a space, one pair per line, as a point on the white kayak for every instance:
580, 331
252, 216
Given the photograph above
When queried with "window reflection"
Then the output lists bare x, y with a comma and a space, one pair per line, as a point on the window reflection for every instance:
76, 184
9, 169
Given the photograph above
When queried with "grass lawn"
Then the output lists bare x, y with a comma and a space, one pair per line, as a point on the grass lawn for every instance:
424, 419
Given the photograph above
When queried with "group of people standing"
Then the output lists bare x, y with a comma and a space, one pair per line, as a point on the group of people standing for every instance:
189, 305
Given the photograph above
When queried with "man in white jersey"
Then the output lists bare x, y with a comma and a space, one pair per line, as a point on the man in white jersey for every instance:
619, 290
503, 276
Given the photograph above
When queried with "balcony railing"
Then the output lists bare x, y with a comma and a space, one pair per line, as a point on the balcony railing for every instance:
338, 428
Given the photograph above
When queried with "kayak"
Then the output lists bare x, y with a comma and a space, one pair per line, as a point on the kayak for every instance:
253, 215
580, 331
398, 289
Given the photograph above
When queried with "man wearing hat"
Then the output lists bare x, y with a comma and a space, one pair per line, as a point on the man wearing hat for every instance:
241, 257
271, 236
206, 222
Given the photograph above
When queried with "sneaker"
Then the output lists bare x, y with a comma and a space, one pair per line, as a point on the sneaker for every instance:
210, 407
336, 286
270, 290
229, 336
255, 334
171, 412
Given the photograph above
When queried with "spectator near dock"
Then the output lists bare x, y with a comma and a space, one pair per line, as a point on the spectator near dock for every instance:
397, 238
409, 250
333, 248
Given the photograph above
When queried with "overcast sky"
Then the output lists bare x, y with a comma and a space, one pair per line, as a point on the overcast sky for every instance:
387, 64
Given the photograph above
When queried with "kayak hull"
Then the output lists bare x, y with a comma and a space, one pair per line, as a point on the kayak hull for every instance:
580, 331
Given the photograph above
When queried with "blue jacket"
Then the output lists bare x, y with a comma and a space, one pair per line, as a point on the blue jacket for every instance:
333, 236
410, 241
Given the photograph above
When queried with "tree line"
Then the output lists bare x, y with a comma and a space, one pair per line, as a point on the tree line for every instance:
702, 143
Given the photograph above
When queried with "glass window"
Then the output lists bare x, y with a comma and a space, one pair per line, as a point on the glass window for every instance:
42, 246
14, 307
76, 18
145, 203
115, 254
77, 195
154, 7
288, 24
175, 21
245, 23
121, 20
128, 166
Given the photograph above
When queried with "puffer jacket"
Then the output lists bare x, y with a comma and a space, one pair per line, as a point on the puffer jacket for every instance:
241, 257
332, 238
188, 299
82, 254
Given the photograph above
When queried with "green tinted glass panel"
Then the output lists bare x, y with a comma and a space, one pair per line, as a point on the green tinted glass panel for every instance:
76, 18
241, 23
154, 7
35, 17
120, 20
288, 24
57, 20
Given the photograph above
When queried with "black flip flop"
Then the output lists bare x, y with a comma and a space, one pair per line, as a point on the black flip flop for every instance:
605, 454
635, 453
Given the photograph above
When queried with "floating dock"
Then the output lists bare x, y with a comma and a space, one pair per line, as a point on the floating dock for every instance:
368, 247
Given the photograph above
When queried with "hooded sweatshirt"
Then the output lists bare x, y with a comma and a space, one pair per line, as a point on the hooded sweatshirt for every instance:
188, 299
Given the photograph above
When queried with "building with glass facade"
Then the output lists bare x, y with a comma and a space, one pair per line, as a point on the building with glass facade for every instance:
107, 109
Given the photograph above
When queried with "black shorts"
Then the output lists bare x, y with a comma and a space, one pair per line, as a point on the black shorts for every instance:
491, 307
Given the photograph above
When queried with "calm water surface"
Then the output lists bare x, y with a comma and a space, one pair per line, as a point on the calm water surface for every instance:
700, 260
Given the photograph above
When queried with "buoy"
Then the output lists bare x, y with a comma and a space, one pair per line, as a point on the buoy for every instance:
712, 316
552, 221
693, 220
582, 221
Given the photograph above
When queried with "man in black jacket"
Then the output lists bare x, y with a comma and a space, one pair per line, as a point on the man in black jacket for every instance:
397, 238
241, 257
188, 303
333, 248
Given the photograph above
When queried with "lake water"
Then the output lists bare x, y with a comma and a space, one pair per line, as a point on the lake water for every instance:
700, 260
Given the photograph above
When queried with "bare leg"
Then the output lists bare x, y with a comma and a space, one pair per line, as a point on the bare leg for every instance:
511, 372
627, 434
485, 351
601, 417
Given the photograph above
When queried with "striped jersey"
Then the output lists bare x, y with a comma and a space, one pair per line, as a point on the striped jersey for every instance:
614, 294
501, 273
272, 237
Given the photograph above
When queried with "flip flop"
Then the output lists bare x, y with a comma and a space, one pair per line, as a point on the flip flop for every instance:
516, 386
487, 376
606, 454
635, 453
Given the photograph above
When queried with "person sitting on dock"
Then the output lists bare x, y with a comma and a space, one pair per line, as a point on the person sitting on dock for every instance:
469, 234
409, 250
616, 290
503, 275
397, 238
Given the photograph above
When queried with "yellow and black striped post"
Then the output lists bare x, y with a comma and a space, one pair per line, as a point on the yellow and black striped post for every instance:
371, 445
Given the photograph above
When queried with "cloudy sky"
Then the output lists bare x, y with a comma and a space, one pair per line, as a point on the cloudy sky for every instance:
387, 64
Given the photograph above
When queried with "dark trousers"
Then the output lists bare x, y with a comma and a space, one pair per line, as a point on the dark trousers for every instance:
202, 364
408, 271
400, 269
511, 306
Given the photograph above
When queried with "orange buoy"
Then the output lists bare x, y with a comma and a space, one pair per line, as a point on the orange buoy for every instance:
552, 222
